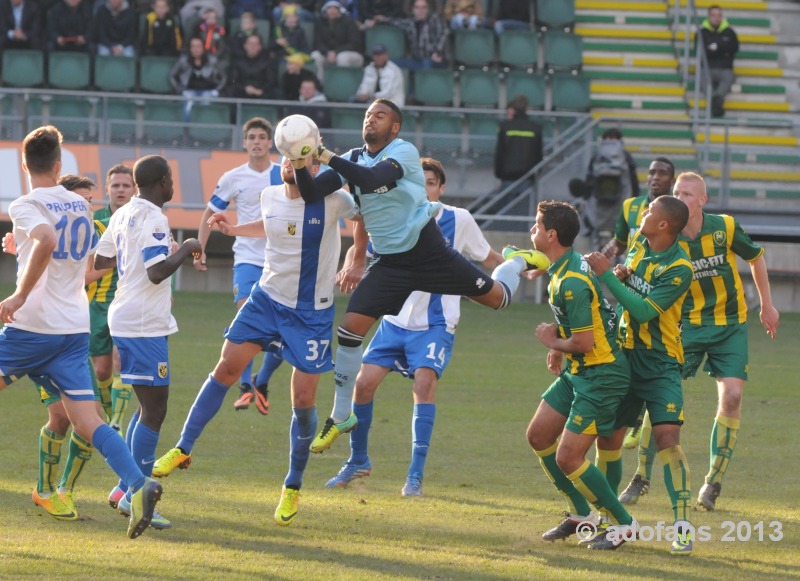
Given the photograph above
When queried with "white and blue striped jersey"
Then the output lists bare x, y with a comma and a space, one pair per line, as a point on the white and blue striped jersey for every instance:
242, 185
57, 305
138, 235
395, 214
303, 247
424, 310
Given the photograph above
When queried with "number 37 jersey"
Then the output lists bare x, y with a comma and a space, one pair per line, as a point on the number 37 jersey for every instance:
57, 304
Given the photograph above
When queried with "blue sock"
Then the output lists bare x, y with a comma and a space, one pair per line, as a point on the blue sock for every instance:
304, 424
112, 447
508, 273
145, 441
348, 364
359, 438
206, 405
247, 374
421, 431
128, 439
272, 360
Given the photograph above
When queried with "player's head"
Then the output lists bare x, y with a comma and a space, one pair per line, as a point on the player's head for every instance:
153, 179
382, 122
660, 177
434, 178
690, 188
41, 151
78, 184
257, 137
119, 186
556, 223
287, 171
666, 216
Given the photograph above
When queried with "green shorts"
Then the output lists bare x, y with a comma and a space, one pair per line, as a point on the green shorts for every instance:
100, 342
48, 398
590, 399
655, 382
725, 346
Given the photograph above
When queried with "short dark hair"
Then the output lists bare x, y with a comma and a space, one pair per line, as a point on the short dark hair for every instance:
41, 149
119, 168
668, 162
561, 217
612, 133
434, 165
519, 104
398, 114
677, 213
73, 182
714, 7
258, 123
149, 170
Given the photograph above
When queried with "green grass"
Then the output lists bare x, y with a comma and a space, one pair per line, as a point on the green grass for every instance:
486, 499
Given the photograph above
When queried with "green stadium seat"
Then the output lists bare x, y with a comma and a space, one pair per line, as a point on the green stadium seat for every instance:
392, 37
69, 70
441, 133
154, 74
571, 92
473, 48
210, 125
341, 82
562, 51
113, 73
347, 119
121, 124
555, 14
163, 122
23, 68
479, 88
73, 117
531, 85
262, 26
518, 49
482, 132
269, 112
434, 86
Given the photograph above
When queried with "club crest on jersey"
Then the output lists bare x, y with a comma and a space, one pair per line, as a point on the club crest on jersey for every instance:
720, 237
660, 269
291, 228
568, 295
162, 369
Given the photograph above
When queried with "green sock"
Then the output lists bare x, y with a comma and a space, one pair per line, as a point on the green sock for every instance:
593, 485
575, 500
723, 440
647, 449
676, 479
120, 397
104, 387
80, 451
609, 462
49, 458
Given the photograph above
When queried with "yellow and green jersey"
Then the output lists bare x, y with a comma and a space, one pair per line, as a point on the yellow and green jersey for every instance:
661, 279
716, 296
103, 289
630, 218
578, 304
103, 214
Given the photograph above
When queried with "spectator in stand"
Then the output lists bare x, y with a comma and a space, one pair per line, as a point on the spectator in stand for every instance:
69, 26
20, 24
161, 35
247, 28
293, 77
212, 34
464, 14
115, 29
512, 15
721, 44
192, 11
519, 143
258, 8
254, 75
303, 8
197, 74
373, 11
337, 39
382, 79
289, 37
426, 35
310, 94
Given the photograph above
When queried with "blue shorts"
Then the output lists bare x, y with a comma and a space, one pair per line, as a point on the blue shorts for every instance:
406, 351
305, 335
245, 276
143, 360
57, 362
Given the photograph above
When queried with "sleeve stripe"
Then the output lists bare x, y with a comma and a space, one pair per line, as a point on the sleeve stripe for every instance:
582, 329
218, 204
154, 254
654, 305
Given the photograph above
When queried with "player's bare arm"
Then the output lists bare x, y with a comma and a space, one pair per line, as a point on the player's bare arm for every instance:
220, 222
580, 342
166, 268
203, 232
770, 318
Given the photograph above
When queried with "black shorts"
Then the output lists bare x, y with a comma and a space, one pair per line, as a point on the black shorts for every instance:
430, 266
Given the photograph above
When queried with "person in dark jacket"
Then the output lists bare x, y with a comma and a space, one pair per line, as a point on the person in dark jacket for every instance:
519, 143
69, 26
293, 77
721, 45
20, 24
337, 39
115, 29
254, 75
161, 34
512, 15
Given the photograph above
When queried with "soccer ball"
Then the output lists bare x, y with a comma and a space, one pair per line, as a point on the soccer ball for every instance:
296, 136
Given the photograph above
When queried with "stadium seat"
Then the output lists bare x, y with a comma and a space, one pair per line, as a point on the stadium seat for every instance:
473, 48
352, 119
479, 88
23, 68
441, 134
73, 117
562, 51
113, 73
341, 82
531, 85
154, 74
211, 125
269, 112
483, 132
434, 86
262, 26
121, 116
392, 37
163, 122
518, 49
69, 70
571, 92
555, 14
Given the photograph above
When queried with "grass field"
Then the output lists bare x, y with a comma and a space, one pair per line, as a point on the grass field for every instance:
486, 499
